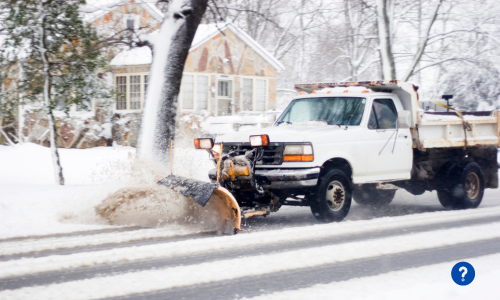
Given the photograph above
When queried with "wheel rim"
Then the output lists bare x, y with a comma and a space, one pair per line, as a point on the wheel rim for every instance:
335, 195
472, 185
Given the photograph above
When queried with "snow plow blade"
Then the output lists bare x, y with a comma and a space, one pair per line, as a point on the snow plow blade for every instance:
203, 192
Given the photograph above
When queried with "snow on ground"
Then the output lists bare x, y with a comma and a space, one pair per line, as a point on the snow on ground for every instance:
32, 204
429, 282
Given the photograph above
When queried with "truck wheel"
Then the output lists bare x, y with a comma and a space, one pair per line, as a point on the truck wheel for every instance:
463, 187
332, 199
367, 194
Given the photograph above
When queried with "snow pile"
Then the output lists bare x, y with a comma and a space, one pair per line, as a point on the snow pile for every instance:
134, 198
155, 206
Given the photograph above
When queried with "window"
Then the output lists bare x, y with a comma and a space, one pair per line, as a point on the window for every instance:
135, 92
224, 89
201, 92
187, 91
383, 115
260, 95
131, 24
146, 78
121, 92
324, 111
130, 91
247, 96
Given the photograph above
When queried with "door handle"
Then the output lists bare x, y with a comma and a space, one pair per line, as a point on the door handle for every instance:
403, 135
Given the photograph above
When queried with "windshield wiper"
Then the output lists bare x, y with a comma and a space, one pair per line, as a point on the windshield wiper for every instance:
331, 123
280, 122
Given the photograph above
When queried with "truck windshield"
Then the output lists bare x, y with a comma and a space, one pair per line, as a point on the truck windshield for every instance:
326, 111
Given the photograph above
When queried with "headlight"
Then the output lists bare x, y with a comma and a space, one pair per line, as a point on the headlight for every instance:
298, 152
259, 140
207, 143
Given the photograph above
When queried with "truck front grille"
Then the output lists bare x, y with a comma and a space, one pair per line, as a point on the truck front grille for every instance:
273, 154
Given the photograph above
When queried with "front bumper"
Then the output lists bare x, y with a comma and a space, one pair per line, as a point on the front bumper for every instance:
282, 178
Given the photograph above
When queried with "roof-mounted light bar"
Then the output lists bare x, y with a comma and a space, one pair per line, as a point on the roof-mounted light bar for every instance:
380, 84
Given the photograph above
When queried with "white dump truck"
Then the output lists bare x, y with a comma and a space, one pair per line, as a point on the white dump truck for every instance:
357, 140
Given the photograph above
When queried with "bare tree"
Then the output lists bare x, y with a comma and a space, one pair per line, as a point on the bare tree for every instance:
389, 16
358, 38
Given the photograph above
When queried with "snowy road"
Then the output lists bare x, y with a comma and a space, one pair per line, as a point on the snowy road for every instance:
205, 266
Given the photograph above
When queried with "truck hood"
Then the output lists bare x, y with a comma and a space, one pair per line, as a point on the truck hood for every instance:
289, 134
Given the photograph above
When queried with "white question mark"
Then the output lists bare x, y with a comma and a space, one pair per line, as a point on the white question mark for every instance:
463, 274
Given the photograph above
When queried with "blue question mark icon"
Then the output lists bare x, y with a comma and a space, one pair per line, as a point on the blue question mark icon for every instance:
463, 273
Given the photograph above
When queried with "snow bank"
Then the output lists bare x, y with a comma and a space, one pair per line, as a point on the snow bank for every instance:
32, 204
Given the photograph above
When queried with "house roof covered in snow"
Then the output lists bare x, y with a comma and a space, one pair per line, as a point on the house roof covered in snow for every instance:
205, 32
98, 8
134, 56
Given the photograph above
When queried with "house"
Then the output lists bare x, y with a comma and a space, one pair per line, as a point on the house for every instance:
227, 75
226, 72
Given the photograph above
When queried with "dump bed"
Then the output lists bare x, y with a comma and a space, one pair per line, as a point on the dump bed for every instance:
431, 129
447, 129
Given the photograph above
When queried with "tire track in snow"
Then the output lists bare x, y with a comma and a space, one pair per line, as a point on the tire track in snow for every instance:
134, 242
193, 259
70, 234
261, 285
61, 246
135, 283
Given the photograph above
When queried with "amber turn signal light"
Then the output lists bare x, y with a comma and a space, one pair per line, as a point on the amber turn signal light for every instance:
206, 143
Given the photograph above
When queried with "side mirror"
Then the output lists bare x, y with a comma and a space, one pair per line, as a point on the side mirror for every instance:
404, 119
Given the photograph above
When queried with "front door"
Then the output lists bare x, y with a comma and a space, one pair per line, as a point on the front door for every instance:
389, 152
224, 97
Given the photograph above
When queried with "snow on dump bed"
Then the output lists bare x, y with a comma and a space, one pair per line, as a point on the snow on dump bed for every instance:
454, 117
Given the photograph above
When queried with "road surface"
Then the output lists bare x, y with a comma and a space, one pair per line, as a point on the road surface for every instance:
287, 251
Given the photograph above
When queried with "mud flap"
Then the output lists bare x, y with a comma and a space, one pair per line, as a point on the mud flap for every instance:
203, 192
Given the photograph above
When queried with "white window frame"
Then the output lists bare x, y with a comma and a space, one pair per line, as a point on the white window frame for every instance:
142, 91
207, 93
254, 92
136, 19
221, 78
180, 101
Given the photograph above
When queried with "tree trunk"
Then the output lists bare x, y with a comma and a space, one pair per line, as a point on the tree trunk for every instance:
46, 99
170, 50
384, 37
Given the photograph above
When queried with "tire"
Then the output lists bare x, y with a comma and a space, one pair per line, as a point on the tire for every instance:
463, 186
331, 200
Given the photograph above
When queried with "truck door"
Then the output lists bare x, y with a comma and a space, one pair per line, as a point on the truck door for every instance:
388, 149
